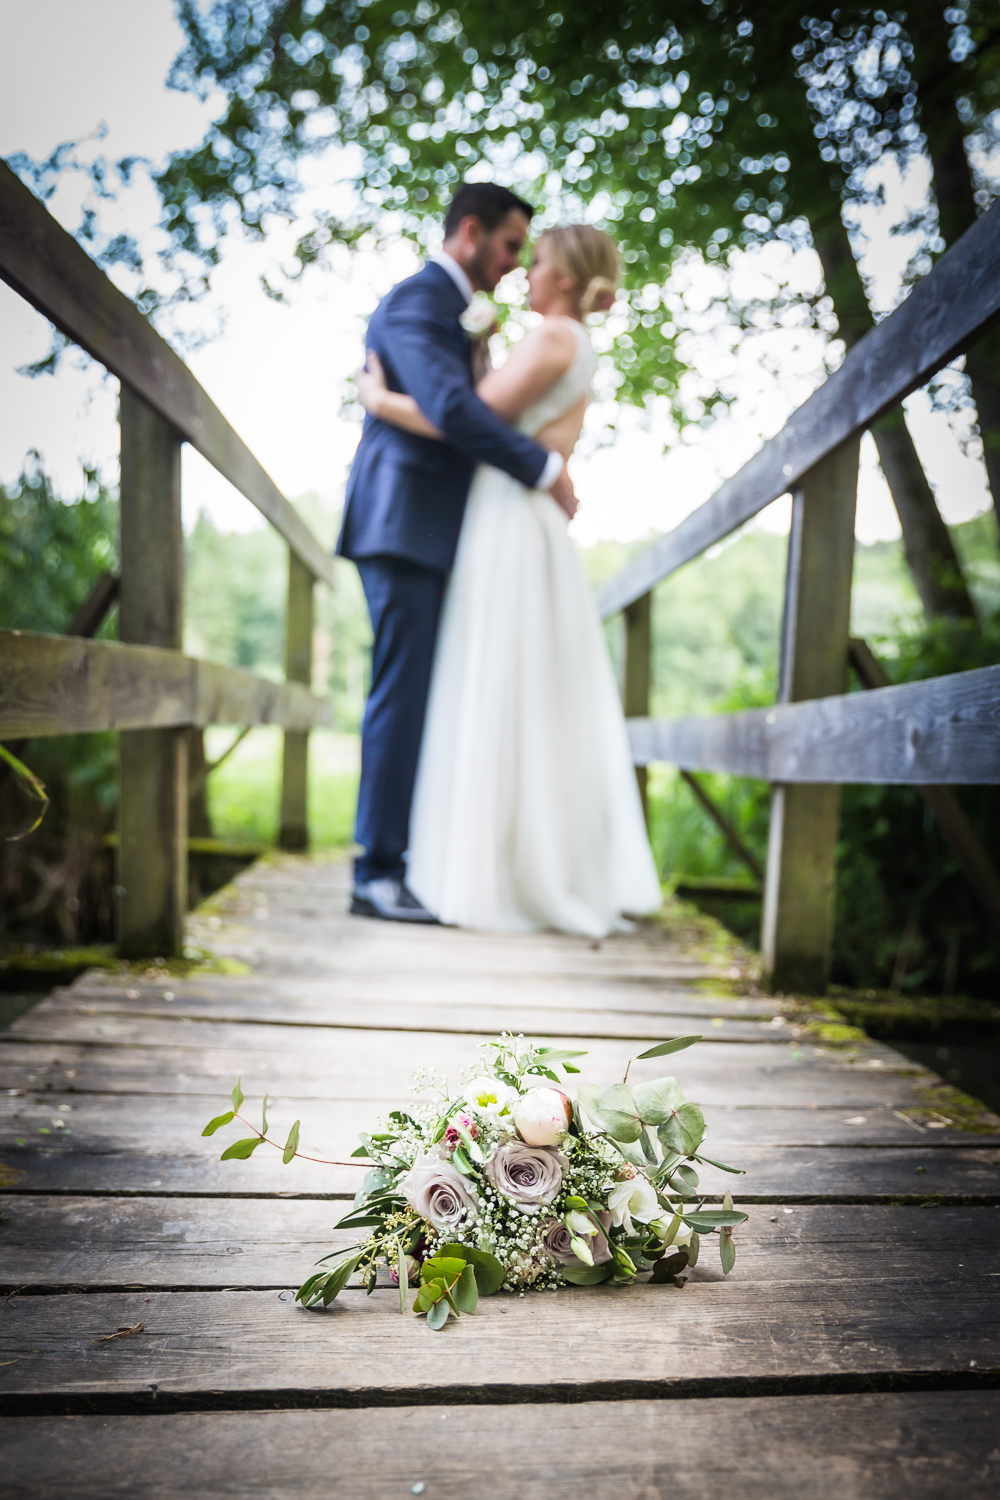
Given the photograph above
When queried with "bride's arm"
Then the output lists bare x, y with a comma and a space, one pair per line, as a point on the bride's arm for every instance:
532, 366
393, 407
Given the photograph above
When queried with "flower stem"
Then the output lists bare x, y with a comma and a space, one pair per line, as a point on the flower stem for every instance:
360, 1162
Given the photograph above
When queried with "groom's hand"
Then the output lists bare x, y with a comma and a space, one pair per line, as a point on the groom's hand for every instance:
563, 493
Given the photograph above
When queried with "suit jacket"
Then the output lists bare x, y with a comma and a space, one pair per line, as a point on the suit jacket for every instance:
406, 494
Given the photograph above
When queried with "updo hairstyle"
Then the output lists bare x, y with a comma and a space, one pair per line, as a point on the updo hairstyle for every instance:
590, 257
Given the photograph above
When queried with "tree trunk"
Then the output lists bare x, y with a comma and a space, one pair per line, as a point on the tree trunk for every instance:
927, 543
938, 83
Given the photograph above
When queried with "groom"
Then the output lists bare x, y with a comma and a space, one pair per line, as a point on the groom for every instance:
405, 499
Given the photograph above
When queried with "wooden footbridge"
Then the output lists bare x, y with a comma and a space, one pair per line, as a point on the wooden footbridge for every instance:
149, 1343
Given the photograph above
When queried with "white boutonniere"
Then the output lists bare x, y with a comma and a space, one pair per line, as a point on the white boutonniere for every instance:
480, 318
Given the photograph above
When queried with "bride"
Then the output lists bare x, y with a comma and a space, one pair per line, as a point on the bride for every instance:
526, 812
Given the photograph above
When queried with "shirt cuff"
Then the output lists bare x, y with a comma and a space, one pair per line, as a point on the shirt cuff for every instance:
553, 468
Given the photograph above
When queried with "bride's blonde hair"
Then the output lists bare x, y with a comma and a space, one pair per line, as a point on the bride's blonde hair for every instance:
590, 257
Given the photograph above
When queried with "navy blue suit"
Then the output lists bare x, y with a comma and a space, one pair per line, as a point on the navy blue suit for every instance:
405, 499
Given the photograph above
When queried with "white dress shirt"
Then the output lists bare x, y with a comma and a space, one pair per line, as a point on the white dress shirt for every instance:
554, 463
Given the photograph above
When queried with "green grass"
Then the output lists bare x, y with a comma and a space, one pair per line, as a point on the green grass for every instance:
243, 794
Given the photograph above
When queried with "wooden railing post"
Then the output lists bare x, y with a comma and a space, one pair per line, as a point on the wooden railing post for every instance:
797, 924
293, 832
638, 657
153, 794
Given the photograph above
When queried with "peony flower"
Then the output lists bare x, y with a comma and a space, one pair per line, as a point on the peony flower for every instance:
543, 1117
633, 1198
479, 318
440, 1194
528, 1175
490, 1098
557, 1245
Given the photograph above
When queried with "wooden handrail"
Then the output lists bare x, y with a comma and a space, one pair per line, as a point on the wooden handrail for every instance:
57, 684
46, 266
945, 312
945, 730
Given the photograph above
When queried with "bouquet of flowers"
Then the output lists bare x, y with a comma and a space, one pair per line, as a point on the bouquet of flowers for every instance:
510, 1184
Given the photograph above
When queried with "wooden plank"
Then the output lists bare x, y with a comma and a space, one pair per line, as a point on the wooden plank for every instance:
46, 266
53, 684
934, 1314
152, 763
800, 884
200, 1243
945, 312
638, 672
293, 821
875, 1446
944, 730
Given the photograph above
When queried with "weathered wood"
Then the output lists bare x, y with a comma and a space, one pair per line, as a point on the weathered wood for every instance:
949, 815
730, 834
293, 823
943, 730
56, 684
876, 1446
152, 763
44, 263
942, 1317
797, 917
945, 312
638, 673
199, 1243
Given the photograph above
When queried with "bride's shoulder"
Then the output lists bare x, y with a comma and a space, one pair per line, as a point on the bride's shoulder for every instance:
551, 340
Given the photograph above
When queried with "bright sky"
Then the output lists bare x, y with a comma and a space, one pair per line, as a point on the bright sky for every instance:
279, 372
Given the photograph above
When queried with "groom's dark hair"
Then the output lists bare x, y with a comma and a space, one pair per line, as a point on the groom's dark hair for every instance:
487, 201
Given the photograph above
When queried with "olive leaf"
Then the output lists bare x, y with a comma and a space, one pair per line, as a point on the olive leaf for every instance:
663, 1049
402, 1273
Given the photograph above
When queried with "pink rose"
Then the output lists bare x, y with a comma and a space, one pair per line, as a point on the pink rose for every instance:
452, 1138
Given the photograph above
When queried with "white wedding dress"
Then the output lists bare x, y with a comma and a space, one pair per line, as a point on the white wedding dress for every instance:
526, 812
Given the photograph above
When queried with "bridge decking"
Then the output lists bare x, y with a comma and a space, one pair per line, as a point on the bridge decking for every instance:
852, 1352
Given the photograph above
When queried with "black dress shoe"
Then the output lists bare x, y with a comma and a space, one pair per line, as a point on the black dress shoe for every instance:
389, 900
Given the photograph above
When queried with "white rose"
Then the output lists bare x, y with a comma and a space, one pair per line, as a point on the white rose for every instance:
543, 1116
635, 1198
490, 1097
479, 317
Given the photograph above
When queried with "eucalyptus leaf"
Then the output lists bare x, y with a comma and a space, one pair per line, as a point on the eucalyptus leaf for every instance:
693, 1249
240, 1150
218, 1122
684, 1130
466, 1291
552, 1055
663, 1049
656, 1101
587, 1275
450, 1267
437, 1316
587, 1095
667, 1270
292, 1144
237, 1094
727, 1251
489, 1271
615, 1112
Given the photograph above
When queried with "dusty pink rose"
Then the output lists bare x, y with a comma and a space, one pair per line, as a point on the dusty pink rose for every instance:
528, 1175
557, 1245
439, 1193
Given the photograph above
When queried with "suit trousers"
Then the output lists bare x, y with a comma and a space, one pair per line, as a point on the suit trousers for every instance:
404, 602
